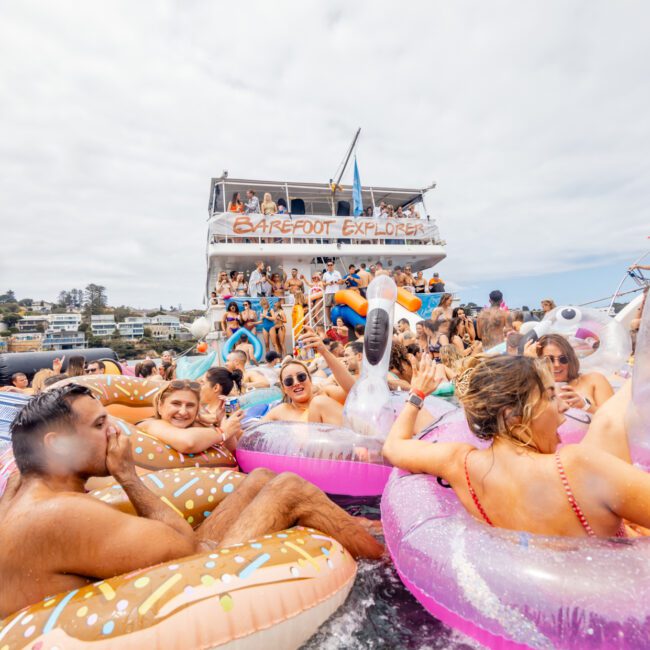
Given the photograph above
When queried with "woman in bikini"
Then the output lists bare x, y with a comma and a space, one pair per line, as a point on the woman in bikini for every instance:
231, 320
522, 481
443, 310
267, 322
240, 285
587, 391
301, 403
279, 329
249, 317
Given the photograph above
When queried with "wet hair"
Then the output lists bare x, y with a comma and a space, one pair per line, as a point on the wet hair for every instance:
500, 390
272, 356
573, 367
145, 369
46, 411
225, 379
355, 346
16, 376
496, 297
76, 365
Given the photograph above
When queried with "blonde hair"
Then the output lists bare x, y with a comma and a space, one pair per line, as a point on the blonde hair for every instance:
450, 357
501, 396
38, 382
283, 367
163, 394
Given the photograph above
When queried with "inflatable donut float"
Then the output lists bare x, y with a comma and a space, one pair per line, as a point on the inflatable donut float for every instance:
127, 398
271, 592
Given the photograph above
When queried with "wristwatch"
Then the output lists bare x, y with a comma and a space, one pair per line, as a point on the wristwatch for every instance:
416, 400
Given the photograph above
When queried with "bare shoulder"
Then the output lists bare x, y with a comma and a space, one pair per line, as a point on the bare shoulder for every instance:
595, 379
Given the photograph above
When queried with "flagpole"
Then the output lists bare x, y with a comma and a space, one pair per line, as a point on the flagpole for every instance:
334, 184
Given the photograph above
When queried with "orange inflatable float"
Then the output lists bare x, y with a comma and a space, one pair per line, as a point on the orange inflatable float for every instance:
297, 319
120, 391
408, 300
271, 592
353, 300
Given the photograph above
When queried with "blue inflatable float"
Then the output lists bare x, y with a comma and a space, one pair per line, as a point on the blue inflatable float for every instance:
258, 350
349, 316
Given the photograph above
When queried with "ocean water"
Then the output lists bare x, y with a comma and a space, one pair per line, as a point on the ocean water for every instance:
381, 613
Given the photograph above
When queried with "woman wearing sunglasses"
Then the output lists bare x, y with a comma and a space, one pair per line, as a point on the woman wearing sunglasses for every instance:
522, 481
587, 392
301, 403
176, 420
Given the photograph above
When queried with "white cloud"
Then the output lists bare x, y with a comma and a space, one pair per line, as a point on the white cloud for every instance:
531, 116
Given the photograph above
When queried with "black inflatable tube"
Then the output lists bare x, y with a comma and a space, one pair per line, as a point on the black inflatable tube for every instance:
32, 362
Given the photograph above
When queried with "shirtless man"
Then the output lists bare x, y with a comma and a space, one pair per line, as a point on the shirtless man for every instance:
236, 360
492, 321
405, 335
295, 283
364, 278
55, 537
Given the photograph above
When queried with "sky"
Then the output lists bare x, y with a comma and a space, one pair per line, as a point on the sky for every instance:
531, 117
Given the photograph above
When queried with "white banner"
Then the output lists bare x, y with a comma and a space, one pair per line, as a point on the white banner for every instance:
239, 226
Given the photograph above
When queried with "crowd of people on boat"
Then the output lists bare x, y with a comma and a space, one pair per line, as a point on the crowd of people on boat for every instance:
251, 204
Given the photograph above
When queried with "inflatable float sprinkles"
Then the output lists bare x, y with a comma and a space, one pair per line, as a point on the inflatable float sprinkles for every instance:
190, 493
274, 591
270, 592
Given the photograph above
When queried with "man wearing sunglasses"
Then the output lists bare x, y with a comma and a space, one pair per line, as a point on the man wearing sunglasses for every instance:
95, 368
63, 436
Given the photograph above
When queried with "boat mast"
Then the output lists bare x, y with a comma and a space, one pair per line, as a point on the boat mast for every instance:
334, 185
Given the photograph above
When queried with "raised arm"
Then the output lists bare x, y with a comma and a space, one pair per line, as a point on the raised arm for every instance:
339, 371
188, 441
420, 456
607, 429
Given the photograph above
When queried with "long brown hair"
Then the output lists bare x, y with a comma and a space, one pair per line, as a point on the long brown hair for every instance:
501, 396
283, 367
573, 367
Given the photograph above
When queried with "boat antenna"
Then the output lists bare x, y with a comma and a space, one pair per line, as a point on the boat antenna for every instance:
334, 184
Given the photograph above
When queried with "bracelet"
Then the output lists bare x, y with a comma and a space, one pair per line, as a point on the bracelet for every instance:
417, 392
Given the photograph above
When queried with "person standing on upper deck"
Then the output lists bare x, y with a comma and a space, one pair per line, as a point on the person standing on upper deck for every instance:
253, 203
380, 209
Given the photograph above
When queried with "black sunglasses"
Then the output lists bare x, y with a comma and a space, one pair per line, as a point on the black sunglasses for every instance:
300, 378
180, 384
563, 359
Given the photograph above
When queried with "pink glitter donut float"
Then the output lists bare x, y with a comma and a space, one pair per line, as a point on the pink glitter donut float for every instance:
271, 592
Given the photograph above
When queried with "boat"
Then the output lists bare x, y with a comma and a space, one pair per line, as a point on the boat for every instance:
318, 226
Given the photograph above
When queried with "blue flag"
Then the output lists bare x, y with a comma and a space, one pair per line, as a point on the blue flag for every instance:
356, 191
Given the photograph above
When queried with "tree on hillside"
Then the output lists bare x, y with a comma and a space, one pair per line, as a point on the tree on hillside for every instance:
95, 299
26, 302
10, 319
122, 313
10, 296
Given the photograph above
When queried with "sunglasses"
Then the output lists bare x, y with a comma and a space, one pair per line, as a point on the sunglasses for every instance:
562, 359
300, 378
180, 384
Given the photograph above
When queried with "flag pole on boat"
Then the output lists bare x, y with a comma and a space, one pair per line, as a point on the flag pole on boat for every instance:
334, 184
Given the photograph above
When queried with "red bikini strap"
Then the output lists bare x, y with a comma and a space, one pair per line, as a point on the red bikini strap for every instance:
477, 503
572, 500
